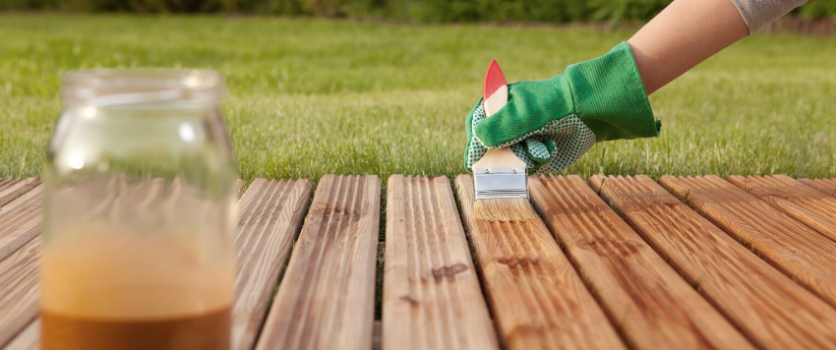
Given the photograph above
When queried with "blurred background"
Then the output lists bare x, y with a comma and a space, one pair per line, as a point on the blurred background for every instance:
383, 86
417, 11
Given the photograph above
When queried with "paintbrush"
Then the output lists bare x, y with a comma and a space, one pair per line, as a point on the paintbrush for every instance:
499, 177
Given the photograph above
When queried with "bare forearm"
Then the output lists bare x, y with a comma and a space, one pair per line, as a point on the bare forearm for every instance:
684, 34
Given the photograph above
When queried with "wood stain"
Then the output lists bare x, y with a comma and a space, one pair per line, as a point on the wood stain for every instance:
208, 331
130, 291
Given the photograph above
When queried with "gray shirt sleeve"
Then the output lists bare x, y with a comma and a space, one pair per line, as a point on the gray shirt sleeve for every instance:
759, 13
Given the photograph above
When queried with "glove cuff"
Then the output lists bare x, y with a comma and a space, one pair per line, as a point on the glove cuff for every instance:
609, 96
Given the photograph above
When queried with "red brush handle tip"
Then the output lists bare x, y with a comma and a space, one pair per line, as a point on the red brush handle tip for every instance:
494, 79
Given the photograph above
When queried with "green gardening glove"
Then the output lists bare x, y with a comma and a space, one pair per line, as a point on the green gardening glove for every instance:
551, 123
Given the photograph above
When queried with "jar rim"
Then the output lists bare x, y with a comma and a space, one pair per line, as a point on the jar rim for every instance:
105, 87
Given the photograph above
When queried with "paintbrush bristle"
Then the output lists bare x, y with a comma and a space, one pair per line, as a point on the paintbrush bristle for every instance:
506, 209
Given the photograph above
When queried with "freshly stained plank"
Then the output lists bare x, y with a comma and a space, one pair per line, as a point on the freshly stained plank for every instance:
826, 186
270, 213
805, 204
326, 297
793, 248
20, 221
537, 298
19, 289
431, 295
654, 307
28, 339
767, 306
11, 189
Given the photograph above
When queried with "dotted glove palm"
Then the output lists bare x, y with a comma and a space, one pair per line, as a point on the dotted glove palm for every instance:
551, 123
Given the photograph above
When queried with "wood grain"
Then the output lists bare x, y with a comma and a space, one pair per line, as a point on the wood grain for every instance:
537, 299
270, 214
11, 188
767, 306
826, 186
431, 295
652, 305
28, 339
326, 298
803, 203
19, 289
20, 221
793, 248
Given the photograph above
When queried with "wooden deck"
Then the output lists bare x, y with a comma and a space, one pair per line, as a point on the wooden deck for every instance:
602, 263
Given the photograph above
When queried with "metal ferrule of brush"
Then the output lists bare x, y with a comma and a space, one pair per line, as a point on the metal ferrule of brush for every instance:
500, 183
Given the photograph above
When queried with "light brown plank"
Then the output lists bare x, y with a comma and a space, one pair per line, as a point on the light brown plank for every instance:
805, 204
826, 186
11, 189
537, 299
431, 295
20, 221
652, 305
326, 297
19, 289
28, 339
767, 306
270, 213
793, 248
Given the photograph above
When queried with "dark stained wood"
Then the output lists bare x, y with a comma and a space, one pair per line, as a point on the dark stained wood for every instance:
326, 298
270, 213
803, 203
653, 306
793, 248
537, 299
431, 295
767, 306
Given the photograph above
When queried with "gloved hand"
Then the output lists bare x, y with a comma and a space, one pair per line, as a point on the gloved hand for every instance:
551, 123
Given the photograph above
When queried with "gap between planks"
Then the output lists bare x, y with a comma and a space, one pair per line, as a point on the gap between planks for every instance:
537, 299
431, 294
326, 299
651, 305
13, 188
826, 186
803, 203
768, 307
798, 251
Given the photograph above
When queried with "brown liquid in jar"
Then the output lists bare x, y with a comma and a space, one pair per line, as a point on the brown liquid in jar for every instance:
133, 292
208, 331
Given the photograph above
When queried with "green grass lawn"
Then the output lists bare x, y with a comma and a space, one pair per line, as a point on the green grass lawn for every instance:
310, 97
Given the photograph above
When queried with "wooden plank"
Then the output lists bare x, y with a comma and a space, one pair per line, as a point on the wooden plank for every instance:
431, 295
28, 339
826, 186
803, 203
20, 221
793, 248
764, 304
270, 214
537, 299
19, 289
326, 298
652, 305
11, 189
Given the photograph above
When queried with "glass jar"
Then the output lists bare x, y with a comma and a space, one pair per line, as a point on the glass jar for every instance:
139, 213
